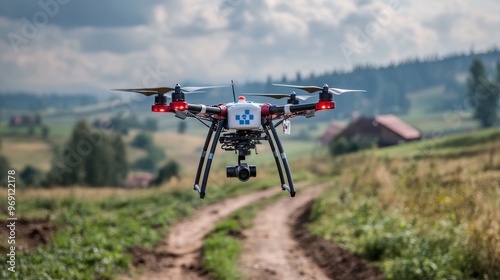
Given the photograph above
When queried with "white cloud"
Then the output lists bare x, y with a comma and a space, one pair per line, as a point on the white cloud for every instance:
218, 40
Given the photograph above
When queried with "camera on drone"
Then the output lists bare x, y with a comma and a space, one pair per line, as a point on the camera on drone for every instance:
243, 171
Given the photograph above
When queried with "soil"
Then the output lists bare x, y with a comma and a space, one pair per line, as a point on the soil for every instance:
180, 255
336, 262
29, 235
270, 250
277, 247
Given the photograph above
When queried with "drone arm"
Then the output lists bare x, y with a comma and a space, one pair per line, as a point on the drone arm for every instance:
291, 108
198, 108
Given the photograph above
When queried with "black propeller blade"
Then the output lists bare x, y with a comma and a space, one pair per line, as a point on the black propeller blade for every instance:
280, 95
167, 90
312, 89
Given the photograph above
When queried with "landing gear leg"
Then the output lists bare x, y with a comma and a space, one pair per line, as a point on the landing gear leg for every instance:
201, 190
290, 187
275, 153
202, 157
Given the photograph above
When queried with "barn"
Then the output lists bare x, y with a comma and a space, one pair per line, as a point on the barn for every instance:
384, 130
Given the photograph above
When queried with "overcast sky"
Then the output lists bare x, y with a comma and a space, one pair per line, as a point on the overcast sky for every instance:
61, 45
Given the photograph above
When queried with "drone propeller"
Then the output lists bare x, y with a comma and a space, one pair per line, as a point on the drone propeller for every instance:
293, 98
167, 90
280, 95
313, 89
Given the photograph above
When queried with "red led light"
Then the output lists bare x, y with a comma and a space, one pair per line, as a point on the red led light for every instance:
178, 105
325, 105
159, 108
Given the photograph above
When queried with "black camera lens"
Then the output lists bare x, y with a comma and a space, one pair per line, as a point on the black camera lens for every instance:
243, 173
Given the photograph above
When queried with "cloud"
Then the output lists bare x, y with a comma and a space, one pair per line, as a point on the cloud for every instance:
74, 13
114, 43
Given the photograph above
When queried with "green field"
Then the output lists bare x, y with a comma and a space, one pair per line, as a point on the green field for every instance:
426, 210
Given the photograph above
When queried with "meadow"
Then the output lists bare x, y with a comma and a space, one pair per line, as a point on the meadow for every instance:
426, 210
96, 228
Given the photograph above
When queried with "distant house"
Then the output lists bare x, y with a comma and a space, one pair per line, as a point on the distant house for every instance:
331, 131
104, 123
383, 130
23, 120
139, 180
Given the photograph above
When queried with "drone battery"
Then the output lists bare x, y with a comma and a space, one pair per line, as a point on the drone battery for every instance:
243, 116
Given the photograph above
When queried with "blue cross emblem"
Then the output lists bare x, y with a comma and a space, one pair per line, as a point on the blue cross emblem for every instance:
245, 118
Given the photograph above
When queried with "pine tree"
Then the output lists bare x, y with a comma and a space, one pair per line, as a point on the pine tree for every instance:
91, 157
68, 168
4, 168
119, 163
483, 94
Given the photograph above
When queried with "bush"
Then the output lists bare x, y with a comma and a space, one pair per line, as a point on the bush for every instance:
342, 146
169, 170
32, 176
143, 141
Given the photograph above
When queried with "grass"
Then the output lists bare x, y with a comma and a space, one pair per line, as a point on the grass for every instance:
223, 246
95, 228
27, 151
430, 213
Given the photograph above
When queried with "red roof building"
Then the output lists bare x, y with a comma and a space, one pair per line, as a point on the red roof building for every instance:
384, 130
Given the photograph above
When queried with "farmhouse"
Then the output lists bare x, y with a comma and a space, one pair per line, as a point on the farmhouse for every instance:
24, 120
139, 180
383, 130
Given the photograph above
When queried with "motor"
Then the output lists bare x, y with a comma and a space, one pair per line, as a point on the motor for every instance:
242, 171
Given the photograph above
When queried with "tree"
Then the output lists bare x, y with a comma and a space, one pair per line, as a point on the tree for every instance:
145, 164
32, 176
483, 94
151, 124
91, 157
45, 132
169, 170
106, 165
4, 168
342, 146
143, 141
182, 127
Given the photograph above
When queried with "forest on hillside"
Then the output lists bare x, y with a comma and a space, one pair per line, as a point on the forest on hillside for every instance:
388, 87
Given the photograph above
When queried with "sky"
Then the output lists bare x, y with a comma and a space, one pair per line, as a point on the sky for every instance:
78, 46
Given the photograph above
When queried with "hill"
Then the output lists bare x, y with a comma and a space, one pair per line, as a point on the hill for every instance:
425, 210
402, 88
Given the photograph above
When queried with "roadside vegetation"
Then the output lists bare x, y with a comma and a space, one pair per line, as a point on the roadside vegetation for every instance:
95, 228
223, 246
427, 210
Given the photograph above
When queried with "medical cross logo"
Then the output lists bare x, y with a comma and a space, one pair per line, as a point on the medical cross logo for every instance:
245, 118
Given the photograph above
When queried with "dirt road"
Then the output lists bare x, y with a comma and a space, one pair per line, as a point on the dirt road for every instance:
270, 250
179, 257
277, 247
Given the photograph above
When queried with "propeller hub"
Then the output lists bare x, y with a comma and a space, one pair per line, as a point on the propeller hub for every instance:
178, 95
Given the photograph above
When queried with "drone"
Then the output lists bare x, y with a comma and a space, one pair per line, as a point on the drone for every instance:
241, 125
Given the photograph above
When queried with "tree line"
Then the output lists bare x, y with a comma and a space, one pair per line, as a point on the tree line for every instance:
95, 157
484, 93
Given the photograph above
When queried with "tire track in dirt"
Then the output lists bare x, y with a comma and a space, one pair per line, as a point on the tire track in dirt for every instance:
179, 256
270, 249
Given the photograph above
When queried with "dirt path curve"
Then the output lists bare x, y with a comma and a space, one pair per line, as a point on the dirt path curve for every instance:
179, 257
270, 250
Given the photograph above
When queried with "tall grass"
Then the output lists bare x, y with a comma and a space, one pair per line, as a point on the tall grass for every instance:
423, 217
96, 229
